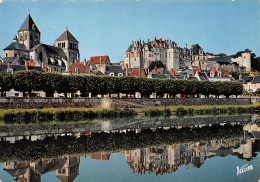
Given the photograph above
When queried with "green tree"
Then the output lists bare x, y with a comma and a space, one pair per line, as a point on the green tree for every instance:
6, 82
158, 64
27, 81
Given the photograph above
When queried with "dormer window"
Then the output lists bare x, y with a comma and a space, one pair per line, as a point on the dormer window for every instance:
112, 74
219, 74
76, 69
120, 74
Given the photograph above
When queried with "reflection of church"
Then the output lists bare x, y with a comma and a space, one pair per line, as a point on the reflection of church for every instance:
167, 159
67, 169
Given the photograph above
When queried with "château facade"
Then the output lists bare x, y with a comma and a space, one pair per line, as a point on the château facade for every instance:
142, 54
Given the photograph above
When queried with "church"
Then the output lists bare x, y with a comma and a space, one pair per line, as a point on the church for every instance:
27, 52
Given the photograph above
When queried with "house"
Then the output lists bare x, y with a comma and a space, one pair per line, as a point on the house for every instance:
114, 71
251, 83
83, 68
101, 62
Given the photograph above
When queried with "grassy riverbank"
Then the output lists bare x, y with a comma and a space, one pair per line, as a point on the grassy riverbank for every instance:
12, 116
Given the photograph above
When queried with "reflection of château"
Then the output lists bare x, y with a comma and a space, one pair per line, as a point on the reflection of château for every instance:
167, 159
67, 169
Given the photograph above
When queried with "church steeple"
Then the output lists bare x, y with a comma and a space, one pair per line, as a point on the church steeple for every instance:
69, 44
28, 33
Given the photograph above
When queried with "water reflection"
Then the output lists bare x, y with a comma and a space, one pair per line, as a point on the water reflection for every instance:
167, 159
66, 169
28, 158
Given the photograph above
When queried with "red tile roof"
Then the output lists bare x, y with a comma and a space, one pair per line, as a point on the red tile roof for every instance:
136, 72
100, 156
81, 67
96, 59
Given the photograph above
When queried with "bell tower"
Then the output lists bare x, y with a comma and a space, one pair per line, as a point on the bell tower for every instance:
29, 34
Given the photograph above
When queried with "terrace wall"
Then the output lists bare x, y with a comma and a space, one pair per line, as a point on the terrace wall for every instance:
27, 103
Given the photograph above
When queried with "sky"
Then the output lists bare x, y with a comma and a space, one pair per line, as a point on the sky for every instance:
108, 27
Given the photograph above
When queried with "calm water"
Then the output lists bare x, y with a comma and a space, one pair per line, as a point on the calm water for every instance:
183, 153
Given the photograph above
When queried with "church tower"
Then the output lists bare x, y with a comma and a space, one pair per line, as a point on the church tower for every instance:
29, 34
69, 45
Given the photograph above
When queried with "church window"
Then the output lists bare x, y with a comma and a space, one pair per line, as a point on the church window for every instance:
6, 55
25, 36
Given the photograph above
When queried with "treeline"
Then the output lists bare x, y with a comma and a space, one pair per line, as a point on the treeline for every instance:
29, 81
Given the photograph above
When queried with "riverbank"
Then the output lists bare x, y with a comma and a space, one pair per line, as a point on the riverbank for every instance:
48, 115
95, 102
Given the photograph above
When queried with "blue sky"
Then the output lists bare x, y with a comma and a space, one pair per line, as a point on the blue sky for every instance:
107, 27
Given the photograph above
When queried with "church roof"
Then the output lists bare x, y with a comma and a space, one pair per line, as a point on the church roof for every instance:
16, 46
28, 24
56, 51
67, 36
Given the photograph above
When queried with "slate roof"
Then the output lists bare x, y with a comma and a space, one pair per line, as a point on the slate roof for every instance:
162, 76
203, 76
9, 59
67, 36
16, 46
247, 79
193, 78
3, 67
226, 59
28, 24
96, 59
114, 69
54, 51
256, 79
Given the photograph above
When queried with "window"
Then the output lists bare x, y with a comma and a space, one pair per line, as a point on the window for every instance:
76, 69
6, 55
112, 74
120, 74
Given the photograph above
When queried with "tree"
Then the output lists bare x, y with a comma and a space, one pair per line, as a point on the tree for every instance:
6, 82
257, 91
27, 81
158, 64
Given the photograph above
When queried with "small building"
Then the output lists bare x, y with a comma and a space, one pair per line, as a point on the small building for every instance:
101, 62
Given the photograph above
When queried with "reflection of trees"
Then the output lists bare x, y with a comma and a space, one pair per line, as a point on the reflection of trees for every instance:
167, 159
52, 147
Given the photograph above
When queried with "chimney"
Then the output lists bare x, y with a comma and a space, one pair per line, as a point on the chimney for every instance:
193, 72
214, 71
26, 65
186, 46
198, 69
226, 72
160, 39
172, 72
240, 77
43, 65
8, 65
85, 62
155, 70
143, 73
140, 72
76, 61
148, 41
126, 69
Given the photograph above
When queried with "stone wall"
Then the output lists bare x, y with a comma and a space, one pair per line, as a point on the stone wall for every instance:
11, 103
